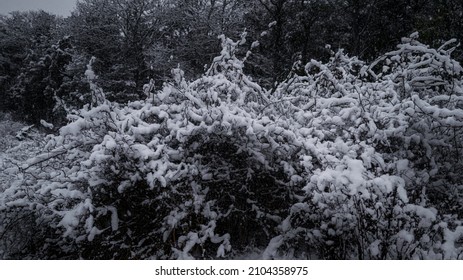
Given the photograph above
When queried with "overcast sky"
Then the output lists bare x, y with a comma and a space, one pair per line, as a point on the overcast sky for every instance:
58, 7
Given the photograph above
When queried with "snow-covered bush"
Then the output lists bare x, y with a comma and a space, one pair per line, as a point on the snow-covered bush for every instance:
428, 100
376, 155
343, 161
193, 173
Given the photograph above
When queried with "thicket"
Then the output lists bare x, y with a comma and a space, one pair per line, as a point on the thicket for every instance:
342, 160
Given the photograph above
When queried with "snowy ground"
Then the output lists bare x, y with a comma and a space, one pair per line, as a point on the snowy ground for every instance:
16, 145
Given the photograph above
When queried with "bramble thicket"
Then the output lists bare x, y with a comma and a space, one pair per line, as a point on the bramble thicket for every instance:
343, 159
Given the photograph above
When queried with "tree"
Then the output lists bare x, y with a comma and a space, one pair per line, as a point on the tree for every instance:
33, 70
438, 20
119, 34
189, 31
21, 34
292, 31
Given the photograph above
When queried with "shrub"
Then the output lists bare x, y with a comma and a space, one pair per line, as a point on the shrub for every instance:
339, 162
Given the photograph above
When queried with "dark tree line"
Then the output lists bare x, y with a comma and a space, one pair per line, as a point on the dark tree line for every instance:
43, 57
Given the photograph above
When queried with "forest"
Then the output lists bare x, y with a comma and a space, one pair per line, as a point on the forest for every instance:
233, 129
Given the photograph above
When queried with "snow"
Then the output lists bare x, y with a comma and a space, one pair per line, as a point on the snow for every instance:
402, 193
110, 144
450, 238
272, 248
319, 159
114, 218
93, 232
404, 238
46, 124
69, 221
89, 73
402, 165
